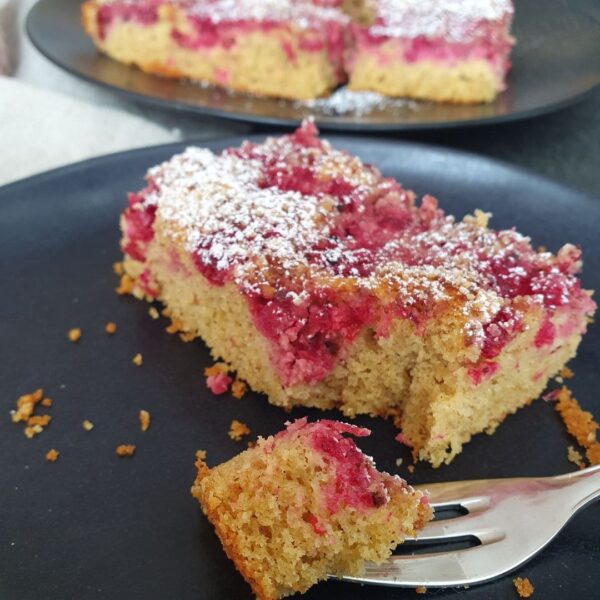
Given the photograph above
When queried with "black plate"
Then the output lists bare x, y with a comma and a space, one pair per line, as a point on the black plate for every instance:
556, 62
95, 526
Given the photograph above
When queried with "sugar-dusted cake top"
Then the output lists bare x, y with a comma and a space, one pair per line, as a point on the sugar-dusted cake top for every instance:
323, 245
301, 12
453, 20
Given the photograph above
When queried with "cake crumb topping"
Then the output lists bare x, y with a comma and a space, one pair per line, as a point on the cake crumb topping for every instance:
237, 430
138, 360
523, 587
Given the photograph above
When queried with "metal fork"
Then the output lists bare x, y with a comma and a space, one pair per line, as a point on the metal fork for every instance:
513, 519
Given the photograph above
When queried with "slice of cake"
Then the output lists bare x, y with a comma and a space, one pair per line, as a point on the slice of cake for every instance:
305, 504
325, 284
442, 50
284, 48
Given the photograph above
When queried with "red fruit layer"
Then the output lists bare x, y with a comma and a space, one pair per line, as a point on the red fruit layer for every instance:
356, 482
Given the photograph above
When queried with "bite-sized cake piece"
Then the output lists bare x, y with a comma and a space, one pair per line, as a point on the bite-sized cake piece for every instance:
323, 283
442, 50
304, 504
285, 48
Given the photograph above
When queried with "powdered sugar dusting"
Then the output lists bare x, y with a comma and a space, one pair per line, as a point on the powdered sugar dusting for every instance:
345, 101
303, 13
217, 198
453, 20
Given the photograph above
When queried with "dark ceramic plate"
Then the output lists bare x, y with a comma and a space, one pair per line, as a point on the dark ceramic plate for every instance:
556, 62
92, 525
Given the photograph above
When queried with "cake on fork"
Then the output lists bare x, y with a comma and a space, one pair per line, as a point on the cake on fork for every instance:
325, 284
443, 50
304, 504
283, 48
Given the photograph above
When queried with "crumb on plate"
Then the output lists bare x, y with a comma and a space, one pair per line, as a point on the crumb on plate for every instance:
52, 455
125, 450
126, 285
110, 327
575, 457
144, 420
74, 334
153, 312
87, 425
26, 405
138, 360
237, 430
524, 587
118, 268
579, 423
238, 389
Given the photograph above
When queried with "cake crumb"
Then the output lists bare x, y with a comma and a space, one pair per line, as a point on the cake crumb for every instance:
174, 326
138, 360
41, 420
125, 450
421, 589
87, 425
125, 285
398, 462
26, 405
411, 469
566, 373
579, 423
32, 431
524, 587
593, 453
144, 420
237, 430
575, 457
238, 389
201, 455
74, 334
482, 219
52, 455
47, 402
153, 312
110, 328
216, 369
118, 268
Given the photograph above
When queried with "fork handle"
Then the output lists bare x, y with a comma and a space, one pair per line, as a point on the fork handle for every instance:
582, 486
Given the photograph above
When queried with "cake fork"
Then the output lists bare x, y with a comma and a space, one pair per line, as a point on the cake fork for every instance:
512, 519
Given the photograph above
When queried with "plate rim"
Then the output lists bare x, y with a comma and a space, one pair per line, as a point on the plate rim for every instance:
239, 117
